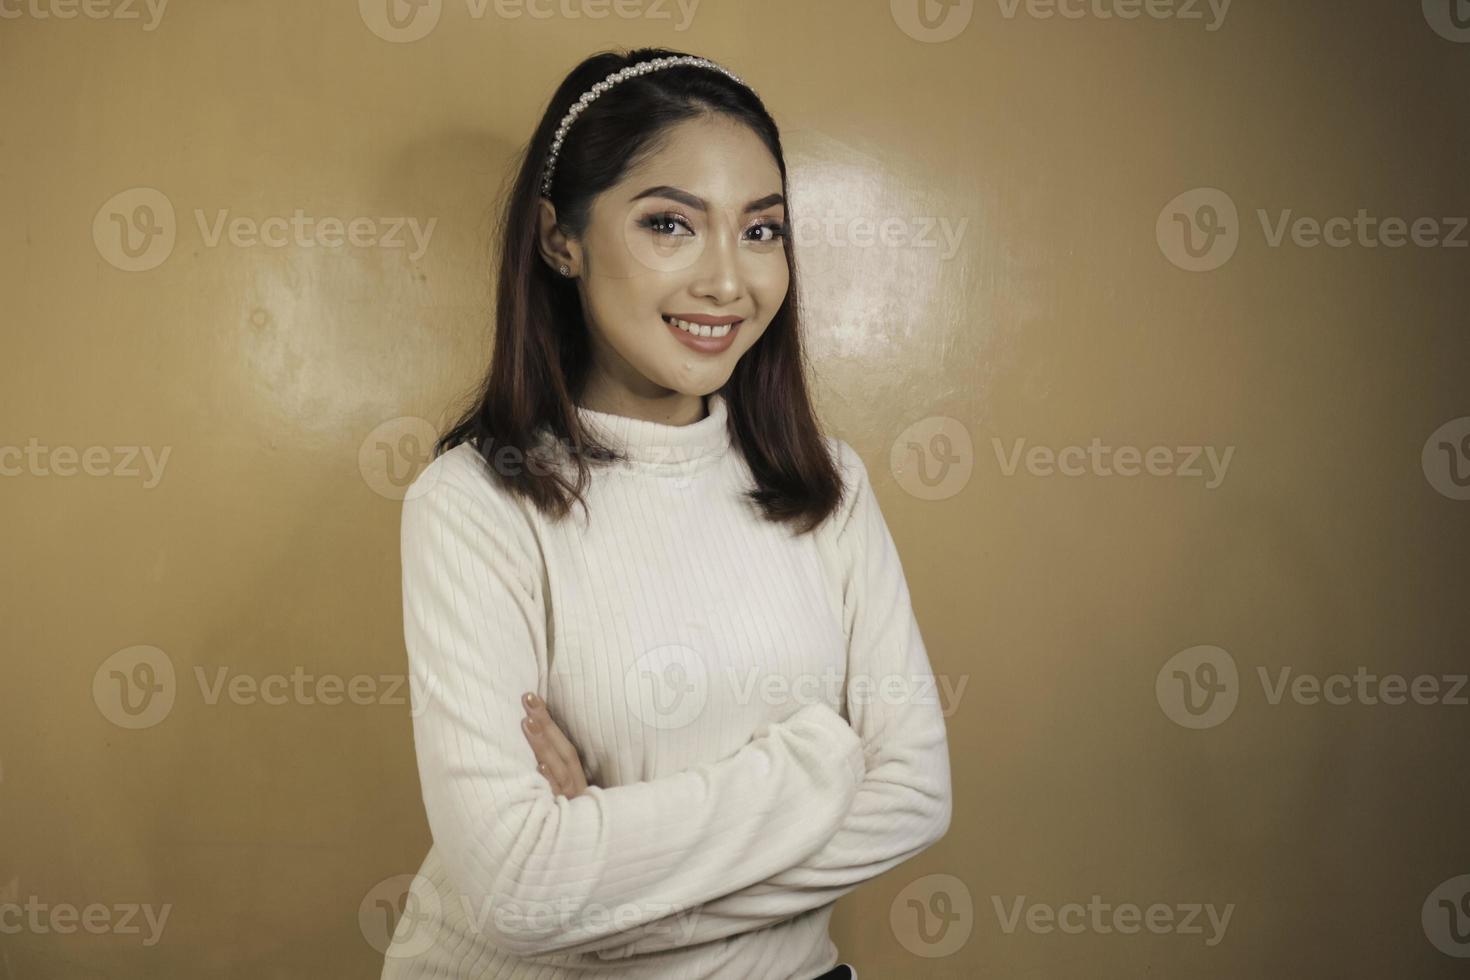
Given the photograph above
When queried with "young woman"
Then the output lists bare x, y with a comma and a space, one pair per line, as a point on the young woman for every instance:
661, 736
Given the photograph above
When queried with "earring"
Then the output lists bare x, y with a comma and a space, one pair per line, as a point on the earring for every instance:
565, 271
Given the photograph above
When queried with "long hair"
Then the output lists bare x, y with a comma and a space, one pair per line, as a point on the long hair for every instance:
542, 350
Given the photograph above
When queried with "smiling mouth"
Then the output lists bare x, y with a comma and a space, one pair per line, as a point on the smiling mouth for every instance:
702, 330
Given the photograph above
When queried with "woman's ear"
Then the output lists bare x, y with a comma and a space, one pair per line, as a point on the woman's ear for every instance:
556, 248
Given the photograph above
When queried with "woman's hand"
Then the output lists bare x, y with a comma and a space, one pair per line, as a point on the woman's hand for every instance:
554, 751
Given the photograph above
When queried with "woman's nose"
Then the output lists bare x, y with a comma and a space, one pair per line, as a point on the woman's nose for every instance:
719, 266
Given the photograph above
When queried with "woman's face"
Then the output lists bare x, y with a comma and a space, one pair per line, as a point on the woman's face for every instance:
696, 232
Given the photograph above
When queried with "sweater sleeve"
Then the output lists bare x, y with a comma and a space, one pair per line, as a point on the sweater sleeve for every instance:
547, 874
903, 804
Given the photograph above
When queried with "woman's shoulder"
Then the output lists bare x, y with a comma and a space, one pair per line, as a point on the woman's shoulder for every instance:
461, 472
846, 457
457, 517
854, 473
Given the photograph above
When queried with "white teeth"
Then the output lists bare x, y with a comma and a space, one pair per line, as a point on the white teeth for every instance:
699, 329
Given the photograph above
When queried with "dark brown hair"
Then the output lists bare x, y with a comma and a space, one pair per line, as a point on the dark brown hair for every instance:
542, 351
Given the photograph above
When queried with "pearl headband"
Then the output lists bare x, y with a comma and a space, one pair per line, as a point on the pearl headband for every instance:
641, 68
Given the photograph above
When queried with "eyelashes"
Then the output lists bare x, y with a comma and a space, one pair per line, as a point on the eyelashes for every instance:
661, 222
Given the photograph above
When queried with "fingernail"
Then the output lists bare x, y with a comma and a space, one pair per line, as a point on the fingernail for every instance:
531, 725
531, 700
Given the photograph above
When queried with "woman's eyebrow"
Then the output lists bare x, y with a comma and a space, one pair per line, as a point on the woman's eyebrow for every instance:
684, 197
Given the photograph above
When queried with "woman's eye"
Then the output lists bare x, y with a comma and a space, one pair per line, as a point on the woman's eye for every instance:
776, 228
665, 223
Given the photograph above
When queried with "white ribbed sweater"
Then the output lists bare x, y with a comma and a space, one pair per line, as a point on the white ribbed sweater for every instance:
756, 710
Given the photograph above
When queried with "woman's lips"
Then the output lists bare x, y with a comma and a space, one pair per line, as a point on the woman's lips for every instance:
705, 345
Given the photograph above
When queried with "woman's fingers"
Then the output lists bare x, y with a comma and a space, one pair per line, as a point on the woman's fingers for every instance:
545, 771
555, 752
570, 769
564, 761
549, 760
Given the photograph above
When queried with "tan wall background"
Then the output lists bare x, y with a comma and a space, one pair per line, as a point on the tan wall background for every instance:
294, 390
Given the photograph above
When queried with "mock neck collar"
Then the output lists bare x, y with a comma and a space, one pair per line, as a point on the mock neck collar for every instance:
661, 447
